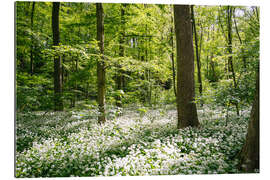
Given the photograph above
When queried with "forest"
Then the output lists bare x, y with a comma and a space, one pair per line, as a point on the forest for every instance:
122, 89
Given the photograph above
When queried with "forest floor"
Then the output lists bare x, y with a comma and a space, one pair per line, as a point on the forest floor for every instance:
139, 141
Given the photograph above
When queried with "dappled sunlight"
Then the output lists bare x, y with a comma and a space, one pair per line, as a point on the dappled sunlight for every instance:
126, 89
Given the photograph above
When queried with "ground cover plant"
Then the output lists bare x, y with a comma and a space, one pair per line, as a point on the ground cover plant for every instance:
105, 89
72, 144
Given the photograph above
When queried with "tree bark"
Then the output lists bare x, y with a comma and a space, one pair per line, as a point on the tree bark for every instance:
197, 51
249, 155
186, 108
58, 101
32, 43
100, 64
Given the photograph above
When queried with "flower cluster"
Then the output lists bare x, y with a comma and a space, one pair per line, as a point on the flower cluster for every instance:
73, 144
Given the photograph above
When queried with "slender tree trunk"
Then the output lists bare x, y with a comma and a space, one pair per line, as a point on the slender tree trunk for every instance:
249, 155
32, 40
201, 41
214, 77
146, 72
207, 68
230, 62
58, 101
221, 25
207, 56
100, 64
120, 77
75, 98
186, 108
63, 71
226, 68
172, 56
239, 37
229, 24
197, 51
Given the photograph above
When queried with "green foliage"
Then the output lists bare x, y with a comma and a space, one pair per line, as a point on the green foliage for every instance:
138, 49
145, 64
33, 93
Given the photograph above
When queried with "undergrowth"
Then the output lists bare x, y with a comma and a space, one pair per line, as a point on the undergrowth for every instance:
133, 143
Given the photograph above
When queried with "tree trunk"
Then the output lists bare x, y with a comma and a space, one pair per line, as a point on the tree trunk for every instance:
249, 155
230, 62
186, 108
229, 24
197, 51
75, 97
120, 77
58, 101
201, 40
63, 71
213, 76
32, 43
239, 37
172, 57
100, 63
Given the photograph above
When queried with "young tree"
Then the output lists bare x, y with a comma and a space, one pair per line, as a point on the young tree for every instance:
240, 40
186, 108
197, 51
58, 102
120, 77
229, 26
249, 155
32, 46
230, 59
100, 63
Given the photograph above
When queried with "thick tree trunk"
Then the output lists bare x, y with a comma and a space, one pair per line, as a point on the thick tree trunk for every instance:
58, 101
197, 52
100, 64
187, 111
249, 155
32, 39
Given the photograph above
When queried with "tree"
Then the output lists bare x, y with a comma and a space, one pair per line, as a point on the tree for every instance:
240, 40
197, 51
249, 155
58, 102
230, 59
120, 77
187, 112
172, 54
31, 50
100, 63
